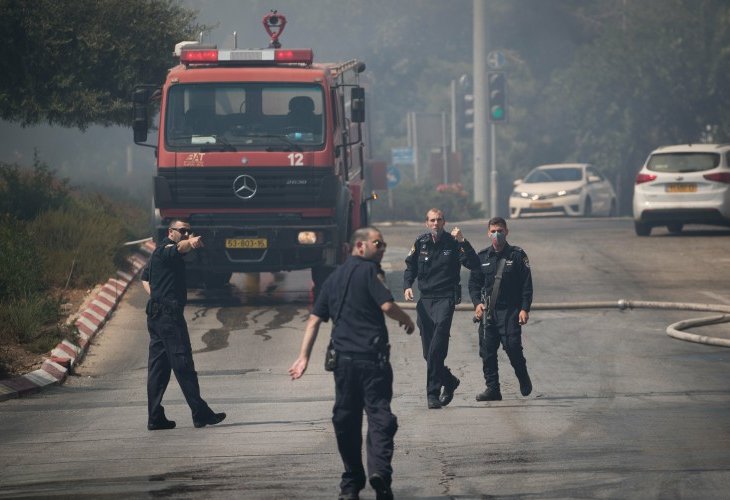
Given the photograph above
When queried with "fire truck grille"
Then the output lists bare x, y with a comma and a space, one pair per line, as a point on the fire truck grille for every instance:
246, 187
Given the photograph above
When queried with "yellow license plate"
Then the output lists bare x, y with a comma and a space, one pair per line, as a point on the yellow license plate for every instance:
686, 187
247, 243
541, 204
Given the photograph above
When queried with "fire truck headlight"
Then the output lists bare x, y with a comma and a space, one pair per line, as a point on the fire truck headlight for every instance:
310, 237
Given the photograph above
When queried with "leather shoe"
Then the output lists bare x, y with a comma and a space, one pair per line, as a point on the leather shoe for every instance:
381, 487
434, 403
161, 425
490, 395
448, 393
215, 418
349, 495
525, 385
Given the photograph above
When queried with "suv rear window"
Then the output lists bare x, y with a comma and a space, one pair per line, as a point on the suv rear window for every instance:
683, 162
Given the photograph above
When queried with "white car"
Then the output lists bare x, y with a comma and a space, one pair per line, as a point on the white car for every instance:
684, 184
574, 189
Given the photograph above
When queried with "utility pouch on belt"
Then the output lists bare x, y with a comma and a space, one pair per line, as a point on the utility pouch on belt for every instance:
384, 356
330, 358
157, 307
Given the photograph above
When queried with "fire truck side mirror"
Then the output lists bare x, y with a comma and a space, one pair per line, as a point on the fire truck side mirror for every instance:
357, 104
140, 123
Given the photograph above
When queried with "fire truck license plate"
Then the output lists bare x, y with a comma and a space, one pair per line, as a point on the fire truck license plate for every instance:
247, 243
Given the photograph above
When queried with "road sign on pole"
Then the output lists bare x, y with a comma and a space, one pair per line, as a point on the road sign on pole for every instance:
496, 59
393, 176
401, 156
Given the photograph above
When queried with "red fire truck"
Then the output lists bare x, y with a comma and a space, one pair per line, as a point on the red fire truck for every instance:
262, 151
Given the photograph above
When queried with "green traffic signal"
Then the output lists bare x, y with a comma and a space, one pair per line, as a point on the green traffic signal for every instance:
497, 96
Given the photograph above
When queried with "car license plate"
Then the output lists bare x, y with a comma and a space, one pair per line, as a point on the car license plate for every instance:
541, 204
685, 187
247, 243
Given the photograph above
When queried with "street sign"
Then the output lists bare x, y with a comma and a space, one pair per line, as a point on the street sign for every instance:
496, 59
393, 177
401, 156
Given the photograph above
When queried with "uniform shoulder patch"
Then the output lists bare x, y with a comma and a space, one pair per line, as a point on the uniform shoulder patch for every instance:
519, 254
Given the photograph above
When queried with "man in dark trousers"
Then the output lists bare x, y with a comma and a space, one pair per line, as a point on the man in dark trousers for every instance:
435, 260
501, 292
164, 279
355, 297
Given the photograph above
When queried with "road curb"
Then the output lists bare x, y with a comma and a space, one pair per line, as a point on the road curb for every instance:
56, 368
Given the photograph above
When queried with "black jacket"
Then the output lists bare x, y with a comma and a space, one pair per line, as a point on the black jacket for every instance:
515, 292
437, 266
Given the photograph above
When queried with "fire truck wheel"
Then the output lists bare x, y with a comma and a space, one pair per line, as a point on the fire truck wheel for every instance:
319, 274
217, 280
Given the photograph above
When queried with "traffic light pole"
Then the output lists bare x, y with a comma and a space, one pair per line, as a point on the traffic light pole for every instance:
493, 171
454, 118
480, 102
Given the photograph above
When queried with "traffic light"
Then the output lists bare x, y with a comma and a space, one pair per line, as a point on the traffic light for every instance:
465, 105
497, 98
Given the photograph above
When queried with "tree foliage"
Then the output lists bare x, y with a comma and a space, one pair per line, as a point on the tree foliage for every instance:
75, 62
645, 74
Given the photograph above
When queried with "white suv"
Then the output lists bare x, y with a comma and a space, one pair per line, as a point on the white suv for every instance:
685, 184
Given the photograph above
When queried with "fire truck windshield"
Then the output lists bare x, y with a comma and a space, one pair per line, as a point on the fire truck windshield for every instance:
244, 116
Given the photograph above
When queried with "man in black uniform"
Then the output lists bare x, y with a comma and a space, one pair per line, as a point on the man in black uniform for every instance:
355, 297
164, 279
510, 299
435, 260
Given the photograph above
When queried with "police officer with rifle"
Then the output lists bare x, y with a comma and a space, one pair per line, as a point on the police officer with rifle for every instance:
501, 291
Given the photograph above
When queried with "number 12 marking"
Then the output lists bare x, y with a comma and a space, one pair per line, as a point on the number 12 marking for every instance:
296, 159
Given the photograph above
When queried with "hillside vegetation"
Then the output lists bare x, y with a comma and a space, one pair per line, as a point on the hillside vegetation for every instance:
54, 240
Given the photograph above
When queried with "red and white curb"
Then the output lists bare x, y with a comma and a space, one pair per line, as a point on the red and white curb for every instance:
66, 355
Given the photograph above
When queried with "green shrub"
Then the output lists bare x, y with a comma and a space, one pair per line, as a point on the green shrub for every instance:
80, 245
25, 193
26, 320
20, 274
23, 307
412, 201
52, 238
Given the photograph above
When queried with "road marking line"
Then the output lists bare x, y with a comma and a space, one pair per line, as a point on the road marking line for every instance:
716, 296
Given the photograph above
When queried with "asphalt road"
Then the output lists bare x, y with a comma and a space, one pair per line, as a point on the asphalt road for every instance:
619, 410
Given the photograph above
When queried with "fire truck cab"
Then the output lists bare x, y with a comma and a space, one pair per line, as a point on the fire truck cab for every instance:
261, 150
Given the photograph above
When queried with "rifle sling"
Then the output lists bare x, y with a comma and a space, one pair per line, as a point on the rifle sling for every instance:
495, 288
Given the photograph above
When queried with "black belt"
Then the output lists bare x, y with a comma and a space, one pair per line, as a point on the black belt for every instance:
359, 356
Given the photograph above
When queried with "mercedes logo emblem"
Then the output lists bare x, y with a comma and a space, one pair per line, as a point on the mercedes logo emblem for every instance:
244, 186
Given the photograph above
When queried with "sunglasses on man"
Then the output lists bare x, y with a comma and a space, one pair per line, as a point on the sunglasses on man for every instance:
184, 231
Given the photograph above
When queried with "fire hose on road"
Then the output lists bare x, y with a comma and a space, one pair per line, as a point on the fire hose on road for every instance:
675, 330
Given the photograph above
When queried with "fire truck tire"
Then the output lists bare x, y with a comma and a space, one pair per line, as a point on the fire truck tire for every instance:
194, 279
217, 280
319, 275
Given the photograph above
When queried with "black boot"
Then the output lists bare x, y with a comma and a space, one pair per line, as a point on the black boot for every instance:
490, 394
448, 393
525, 384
